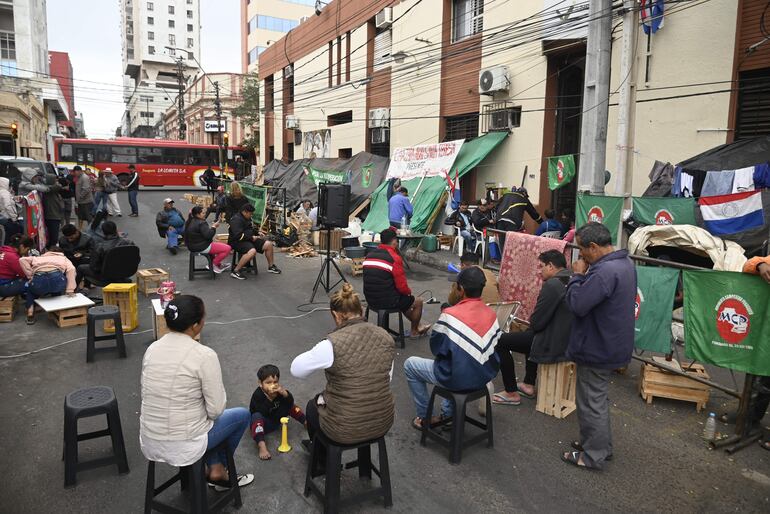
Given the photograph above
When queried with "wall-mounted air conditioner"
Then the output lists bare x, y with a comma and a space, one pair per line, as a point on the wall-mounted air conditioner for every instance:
384, 18
288, 71
380, 135
292, 122
493, 79
379, 117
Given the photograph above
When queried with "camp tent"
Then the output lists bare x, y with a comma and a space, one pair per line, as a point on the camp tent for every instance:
428, 197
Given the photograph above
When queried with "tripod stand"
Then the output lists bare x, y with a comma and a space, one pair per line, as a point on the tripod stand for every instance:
322, 279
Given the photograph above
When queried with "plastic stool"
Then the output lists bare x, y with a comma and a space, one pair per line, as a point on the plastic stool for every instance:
84, 403
192, 479
330, 496
103, 312
250, 266
383, 321
193, 270
456, 442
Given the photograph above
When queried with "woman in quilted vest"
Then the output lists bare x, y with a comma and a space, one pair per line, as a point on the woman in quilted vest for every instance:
357, 357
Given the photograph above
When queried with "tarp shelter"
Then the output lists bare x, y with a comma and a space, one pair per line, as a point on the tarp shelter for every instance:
366, 173
429, 195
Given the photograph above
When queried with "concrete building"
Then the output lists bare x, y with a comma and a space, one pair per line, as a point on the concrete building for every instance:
154, 36
380, 75
264, 22
61, 71
29, 96
200, 116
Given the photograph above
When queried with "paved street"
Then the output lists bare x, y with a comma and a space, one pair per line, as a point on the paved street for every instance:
660, 462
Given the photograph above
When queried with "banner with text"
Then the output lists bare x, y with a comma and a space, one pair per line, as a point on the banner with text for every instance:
424, 160
319, 176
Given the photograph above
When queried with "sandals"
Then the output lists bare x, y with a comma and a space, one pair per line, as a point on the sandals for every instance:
221, 486
503, 399
423, 331
527, 395
31, 320
574, 459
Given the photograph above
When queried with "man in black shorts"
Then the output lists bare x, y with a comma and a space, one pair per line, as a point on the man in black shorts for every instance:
385, 284
245, 242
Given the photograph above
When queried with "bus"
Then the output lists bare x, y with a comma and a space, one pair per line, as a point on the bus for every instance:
159, 162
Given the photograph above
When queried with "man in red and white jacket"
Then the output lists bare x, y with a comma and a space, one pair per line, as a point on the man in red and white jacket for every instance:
385, 285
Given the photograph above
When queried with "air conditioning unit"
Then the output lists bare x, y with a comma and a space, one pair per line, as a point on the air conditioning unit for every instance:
493, 79
380, 135
384, 18
288, 71
292, 122
505, 119
379, 118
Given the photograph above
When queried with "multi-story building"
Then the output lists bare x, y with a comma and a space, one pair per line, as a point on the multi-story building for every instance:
200, 114
61, 71
264, 22
157, 37
379, 75
29, 97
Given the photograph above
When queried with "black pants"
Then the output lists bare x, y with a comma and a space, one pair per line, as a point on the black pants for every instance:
759, 408
505, 226
52, 227
520, 342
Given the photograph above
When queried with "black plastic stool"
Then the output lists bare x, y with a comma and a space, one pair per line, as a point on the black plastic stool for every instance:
457, 442
192, 479
383, 321
84, 403
252, 266
330, 496
104, 312
193, 270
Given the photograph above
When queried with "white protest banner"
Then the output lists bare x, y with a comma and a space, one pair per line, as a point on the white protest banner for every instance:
424, 160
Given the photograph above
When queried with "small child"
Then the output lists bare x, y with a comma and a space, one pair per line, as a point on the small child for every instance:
269, 403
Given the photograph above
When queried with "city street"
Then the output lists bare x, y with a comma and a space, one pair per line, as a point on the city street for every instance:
660, 462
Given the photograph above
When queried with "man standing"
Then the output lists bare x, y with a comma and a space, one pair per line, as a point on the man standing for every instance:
208, 179
111, 186
399, 207
133, 190
84, 196
463, 342
244, 241
601, 295
511, 209
170, 223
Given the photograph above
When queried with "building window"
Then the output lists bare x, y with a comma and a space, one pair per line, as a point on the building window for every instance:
171, 9
464, 126
150, 6
467, 18
189, 42
288, 83
189, 14
8, 54
146, 114
171, 24
130, 53
151, 36
270, 153
189, 27
190, 56
345, 153
340, 118
753, 108
171, 39
172, 52
274, 24
289, 152
150, 20
382, 49
151, 50
269, 91
254, 53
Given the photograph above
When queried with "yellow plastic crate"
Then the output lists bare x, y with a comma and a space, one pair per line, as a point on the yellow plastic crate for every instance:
125, 297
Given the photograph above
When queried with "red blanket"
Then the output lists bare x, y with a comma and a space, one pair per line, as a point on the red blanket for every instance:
519, 278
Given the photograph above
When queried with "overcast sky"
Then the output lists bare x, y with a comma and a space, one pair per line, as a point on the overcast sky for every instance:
89, 30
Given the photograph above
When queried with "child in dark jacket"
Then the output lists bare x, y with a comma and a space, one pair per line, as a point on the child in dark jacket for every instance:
269, 403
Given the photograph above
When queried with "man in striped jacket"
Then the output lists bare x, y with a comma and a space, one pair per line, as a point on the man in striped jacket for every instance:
385, 285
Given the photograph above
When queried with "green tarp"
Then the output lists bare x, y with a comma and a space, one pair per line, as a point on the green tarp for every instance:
469, 156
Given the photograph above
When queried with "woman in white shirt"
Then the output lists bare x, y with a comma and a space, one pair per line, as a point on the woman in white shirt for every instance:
183, 413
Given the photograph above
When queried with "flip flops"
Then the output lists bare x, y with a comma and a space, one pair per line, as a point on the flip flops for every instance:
221, 486
502, 399
574, 459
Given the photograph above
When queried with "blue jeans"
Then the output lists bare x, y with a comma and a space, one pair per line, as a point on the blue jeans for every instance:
53, 284
100, 202
172, 237
132, 200
469, 240
229, 426
10, 287
419, 373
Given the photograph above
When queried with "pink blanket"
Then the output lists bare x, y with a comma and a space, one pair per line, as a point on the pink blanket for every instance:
519, 278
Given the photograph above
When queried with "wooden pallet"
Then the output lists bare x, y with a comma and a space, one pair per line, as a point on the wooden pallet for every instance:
148, 280
70, 317
8, 309
654, 381
357, 266
556, 389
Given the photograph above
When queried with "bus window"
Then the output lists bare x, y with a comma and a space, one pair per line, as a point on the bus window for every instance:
213, 158
65, 152
103, 154
124, 154
172, 156
84, 156
150, 155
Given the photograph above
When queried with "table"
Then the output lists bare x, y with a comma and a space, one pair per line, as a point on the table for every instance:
408, 238
159, 327
66, 311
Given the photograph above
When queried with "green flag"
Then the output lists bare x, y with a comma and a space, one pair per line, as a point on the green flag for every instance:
664, 211
257, 196
601, 209
366, 175
726, 320
655, 290
561, 170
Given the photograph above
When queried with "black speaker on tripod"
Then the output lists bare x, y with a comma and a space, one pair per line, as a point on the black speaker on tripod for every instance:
333, 205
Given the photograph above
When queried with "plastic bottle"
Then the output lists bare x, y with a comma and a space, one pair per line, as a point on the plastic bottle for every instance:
403, 223
710, 429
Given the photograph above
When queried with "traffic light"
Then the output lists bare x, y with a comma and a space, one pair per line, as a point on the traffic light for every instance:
226, 139
14, 131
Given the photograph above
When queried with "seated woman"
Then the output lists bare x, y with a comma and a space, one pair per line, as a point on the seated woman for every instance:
51, 274
357, 404
12, 277
183, 413
235, 201
200, 238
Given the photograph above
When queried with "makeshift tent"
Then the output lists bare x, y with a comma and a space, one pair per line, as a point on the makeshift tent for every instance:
366, 172
428, 197
731, 156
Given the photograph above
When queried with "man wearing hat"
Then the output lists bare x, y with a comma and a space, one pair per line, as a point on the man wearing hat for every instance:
111, 186
170, 223
463, 342
510, 212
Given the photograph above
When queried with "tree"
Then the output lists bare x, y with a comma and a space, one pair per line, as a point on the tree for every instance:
248, 111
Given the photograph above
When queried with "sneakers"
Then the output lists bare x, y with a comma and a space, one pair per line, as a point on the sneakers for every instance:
173, 250
274, 269
133, 215
237, 275
218, 269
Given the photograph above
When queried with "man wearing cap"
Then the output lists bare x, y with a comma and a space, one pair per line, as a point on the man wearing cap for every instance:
510, 212
463, 342
170, 223
111, 186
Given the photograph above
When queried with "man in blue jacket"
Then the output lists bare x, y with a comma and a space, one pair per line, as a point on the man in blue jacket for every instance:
463, 341
399, 206
601, 295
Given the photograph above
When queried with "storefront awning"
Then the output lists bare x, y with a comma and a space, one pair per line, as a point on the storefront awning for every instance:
475, 150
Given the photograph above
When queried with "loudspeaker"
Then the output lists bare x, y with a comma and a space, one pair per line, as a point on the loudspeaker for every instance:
333, 205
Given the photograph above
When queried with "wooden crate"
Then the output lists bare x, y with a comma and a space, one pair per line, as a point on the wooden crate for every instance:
556, 389
445, 240
203, 201
357, 266
70, 317
336, 239
125, 297
148, 280
189, 197
8, 309
654, 381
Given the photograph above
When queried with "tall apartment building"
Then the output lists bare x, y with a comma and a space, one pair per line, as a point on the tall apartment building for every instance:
155, 34
61, 71
264, 22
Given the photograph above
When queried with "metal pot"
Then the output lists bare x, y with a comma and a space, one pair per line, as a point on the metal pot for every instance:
348, 242
370, 245
355, 252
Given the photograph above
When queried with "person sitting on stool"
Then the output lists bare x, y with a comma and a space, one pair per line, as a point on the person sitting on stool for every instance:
95, 266
243, 240
76, 245
170, 223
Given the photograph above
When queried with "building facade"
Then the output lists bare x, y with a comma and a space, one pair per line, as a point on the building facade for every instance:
160, 49
61, 71
379, 75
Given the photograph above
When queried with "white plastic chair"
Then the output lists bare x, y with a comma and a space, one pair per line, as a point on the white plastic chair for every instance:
459, 241
480, 241
553, 234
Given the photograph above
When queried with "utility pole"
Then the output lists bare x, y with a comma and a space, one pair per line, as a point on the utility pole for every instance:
180, 99
218, 110
624, 179
593, 133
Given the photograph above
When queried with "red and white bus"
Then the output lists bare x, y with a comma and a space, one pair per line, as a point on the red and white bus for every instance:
159, 162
